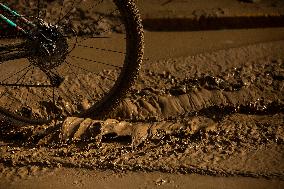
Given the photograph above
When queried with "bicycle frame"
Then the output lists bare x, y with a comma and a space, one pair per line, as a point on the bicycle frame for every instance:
16, 15
10, 48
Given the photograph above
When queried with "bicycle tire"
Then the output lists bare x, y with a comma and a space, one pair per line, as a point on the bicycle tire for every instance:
129, 72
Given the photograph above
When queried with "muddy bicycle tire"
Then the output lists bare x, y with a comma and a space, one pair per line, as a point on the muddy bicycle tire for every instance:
133, 56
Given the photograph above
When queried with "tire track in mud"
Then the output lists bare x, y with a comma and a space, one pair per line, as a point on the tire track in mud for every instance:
198, 145
198, 103
181, 118
185, 86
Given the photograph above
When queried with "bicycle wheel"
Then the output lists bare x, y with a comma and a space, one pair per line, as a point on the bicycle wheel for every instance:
85, 63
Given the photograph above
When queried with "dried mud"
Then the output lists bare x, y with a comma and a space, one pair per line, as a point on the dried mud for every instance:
217, 113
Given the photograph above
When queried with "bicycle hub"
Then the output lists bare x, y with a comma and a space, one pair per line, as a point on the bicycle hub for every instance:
49, 47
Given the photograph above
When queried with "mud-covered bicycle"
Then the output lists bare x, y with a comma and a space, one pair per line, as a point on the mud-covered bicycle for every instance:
63, 58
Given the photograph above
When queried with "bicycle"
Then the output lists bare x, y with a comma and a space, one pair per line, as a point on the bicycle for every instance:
62, 58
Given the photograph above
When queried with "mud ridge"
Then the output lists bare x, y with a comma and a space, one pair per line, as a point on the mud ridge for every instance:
214, 104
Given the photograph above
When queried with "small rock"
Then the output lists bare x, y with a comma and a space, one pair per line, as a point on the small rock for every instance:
198, 123
160, 182
180, 90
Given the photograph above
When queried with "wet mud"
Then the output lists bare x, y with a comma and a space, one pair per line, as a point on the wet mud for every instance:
217, 113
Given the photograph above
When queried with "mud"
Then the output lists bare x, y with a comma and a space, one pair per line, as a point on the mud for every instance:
217, 113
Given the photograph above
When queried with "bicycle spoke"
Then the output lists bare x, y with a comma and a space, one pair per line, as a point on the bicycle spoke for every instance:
10, 51
53, 100
22, 80
14, 56
101, 49
44, 91
15, 74
13, 99
98, 37
95, 5
80, 82
93, 73
7, 52
6, 89
103, 63
78, 67
24, 75
61, 9
72, 60
92, 37
10, 47
66, 94
38, 8
67, 14
100, 19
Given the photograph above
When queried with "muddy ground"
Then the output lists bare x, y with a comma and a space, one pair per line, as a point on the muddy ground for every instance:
206, 117
218, 114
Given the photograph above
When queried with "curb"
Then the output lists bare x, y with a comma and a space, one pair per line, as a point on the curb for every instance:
213, 23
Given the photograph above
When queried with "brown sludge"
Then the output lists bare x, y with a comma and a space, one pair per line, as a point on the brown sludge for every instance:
226, 121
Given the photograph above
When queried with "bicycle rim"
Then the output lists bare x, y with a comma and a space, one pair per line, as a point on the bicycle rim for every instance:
102, 43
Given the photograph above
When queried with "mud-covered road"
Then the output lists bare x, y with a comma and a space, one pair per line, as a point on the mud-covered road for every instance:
216, 113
